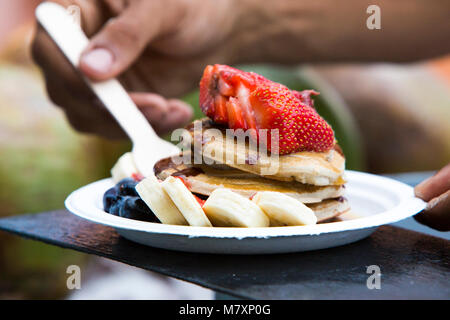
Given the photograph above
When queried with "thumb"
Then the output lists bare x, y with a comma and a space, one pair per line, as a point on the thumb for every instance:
122, 39
164, 115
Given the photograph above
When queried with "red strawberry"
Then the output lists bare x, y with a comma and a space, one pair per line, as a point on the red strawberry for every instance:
246, 100
201, 202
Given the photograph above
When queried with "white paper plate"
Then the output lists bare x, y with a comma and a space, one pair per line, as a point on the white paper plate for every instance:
375, 200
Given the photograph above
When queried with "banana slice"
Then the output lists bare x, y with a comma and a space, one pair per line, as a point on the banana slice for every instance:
159, 202
226, 208
284, 210
124, 167
185, 202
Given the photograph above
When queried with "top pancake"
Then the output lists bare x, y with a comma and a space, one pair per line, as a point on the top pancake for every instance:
215, 146
204, 179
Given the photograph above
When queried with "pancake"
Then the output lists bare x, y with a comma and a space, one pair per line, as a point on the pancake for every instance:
329, 209
315, 168
203, 179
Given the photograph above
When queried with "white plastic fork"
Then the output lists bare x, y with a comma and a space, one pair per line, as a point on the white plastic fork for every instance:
148, 148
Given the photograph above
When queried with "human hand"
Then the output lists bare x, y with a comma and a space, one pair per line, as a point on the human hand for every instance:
436, 191
154, 47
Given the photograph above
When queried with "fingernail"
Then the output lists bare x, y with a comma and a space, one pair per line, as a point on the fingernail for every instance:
419, 189
99, 60
435, 201
418, 192
432, 203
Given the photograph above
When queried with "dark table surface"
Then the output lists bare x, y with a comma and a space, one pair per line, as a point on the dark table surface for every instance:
412, 264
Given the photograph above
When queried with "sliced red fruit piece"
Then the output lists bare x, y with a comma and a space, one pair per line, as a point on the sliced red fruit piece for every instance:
201, 202
137, 176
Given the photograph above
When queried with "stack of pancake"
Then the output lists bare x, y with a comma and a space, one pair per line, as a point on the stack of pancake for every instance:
315, 179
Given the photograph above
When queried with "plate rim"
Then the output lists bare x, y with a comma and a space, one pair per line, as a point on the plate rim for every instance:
408, 206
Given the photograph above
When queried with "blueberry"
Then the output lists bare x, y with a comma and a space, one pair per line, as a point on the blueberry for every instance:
123, 200
117, 206
135, 208
109, 198
126, 187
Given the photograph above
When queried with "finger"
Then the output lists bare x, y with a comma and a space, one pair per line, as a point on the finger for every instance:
434, 186
164, 115
437, 213
101, 127
180, 114
85, 114
66, 88
122, 39
91, 11
47, 54
154, 108
53, 62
